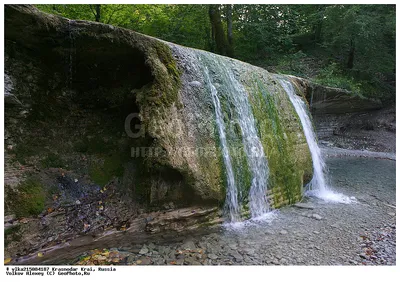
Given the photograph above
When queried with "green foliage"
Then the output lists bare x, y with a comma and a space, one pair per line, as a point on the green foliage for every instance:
293, 39
333, 76
28, 198
293, 64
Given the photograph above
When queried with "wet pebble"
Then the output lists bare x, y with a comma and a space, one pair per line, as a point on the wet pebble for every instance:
212, 256
143, 250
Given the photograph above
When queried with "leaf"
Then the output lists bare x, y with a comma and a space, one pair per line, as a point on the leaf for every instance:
24, 220
85, 258
100, 257
7, 260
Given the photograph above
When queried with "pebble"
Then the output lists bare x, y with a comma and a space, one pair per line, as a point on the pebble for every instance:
180, 261
212, 256
9, 218
130, 260
283, 261
283, 232
145, 261
195, 83
238, 257
316, 216
188, 245
233, 246
143, 250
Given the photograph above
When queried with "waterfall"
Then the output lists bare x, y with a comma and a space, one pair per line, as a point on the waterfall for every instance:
231, 202
254, 150
317, 187
256, 159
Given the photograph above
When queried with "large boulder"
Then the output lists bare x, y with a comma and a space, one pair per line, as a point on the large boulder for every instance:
100, 106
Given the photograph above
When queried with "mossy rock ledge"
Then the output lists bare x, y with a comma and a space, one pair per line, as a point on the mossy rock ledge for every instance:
95, 111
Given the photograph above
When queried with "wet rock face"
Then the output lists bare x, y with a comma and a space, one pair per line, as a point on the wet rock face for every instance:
349, 121
325, 100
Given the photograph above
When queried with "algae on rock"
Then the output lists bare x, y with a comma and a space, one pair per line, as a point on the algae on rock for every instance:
113, 72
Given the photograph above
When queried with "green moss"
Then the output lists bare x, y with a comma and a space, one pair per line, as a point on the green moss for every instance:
97, 145
238, 156
221, 165
12, 235
243, 175
167, 82
52, 160
102, 172
286, 174
23, 151
81, 146
28, 198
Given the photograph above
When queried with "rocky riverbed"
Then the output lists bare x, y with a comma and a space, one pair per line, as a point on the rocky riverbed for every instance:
314, 232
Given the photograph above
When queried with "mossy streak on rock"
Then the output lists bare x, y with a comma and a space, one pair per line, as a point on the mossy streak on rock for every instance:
274, 113
28, 199
164, 89
237, 153
109, 166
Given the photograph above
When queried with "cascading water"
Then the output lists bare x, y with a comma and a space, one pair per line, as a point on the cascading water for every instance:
253, 148
231, 202
255, 153
317, 187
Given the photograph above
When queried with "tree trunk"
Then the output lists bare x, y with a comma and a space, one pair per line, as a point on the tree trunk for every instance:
97, 16
318, 24
318, 31
217, 30
212, 41
229, 32
350, 60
